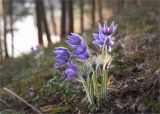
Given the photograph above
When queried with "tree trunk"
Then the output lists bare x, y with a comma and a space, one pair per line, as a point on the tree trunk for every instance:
11, 27
5, 31
93, 12
1, 31
42, 22
100, 10
71, 20
45, 21
82, 14
63, 17
1, 56
52, 17
39, 22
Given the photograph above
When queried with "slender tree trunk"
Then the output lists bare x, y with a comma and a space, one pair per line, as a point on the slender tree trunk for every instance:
5, 31
39, 22
11, 27
100, 10
93, 12
1, 56
82, 14
45, 21
52, 17
71, 20
42, 22
1, 15
63, 17
1, 31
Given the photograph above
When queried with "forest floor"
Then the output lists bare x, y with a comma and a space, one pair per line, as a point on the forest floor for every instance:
134, 76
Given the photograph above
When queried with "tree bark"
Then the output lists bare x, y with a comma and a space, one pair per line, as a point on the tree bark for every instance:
71, 20
100, 10
42, 23
93, 12
52, 17
11, 27
1, 31
82, 14
45, 21
5, 31
39, 21
63, 17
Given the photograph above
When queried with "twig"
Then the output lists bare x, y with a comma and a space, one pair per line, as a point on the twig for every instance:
24, 101
3, 101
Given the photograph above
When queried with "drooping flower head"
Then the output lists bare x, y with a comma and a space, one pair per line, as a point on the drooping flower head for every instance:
63, 57
77, 42
107, 30
71, 71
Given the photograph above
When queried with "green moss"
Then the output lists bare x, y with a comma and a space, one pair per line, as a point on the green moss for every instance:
59, 109
151, 28
153, 105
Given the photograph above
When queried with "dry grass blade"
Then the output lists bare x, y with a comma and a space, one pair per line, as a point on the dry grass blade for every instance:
24, 101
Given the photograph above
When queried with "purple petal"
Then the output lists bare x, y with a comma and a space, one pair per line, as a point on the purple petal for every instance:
110, 43
71, 75
69, 70
97, 42
85, 55
105, 27
114, 30
72, 66
76, 36
60, 58
77, 52
96, 36
73, 44
62, 52
80, 49
73, 38
111, 28
59, 64
100, 27
102, 36
62, 48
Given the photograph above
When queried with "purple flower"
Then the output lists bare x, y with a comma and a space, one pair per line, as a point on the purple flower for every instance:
35, 50
74, 40
71, 71
100, 39
106, 30
77, 42
62, 57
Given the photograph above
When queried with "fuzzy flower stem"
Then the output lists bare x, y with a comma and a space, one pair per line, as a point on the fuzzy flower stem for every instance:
103, 48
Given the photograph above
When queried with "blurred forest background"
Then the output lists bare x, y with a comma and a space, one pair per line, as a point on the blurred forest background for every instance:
27, 23
31, 29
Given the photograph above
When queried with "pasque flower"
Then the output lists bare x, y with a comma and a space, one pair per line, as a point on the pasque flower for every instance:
71, 71
77, 42
62, 57
103, 40
107, 30
74, 40
95, 68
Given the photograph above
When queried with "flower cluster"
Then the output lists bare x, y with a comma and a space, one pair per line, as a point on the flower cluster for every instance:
90, 74
104, 39
64, 56
77, 42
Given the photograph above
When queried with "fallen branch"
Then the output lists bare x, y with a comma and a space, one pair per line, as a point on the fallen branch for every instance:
24, 101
